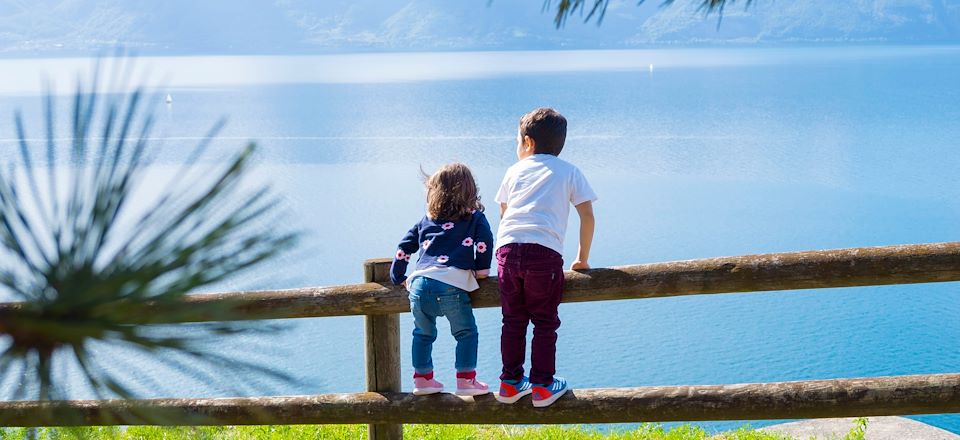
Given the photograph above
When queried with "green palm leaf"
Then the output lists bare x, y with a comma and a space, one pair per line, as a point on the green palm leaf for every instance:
82, 278
598, 8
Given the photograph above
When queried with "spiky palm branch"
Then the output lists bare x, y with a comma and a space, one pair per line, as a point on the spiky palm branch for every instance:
87, 268
597, 8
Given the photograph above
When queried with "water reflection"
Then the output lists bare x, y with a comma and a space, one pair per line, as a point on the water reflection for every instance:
717, 153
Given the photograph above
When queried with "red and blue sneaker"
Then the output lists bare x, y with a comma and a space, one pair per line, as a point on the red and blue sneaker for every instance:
545, 395
512, 390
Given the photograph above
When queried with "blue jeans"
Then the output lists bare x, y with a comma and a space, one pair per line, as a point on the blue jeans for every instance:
429, 299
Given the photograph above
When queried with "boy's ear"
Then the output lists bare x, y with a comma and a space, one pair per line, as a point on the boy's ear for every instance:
528, 142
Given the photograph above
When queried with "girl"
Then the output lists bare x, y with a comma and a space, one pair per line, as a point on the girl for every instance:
455, 245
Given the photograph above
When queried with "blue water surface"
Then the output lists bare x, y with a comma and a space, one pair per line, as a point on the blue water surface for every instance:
782, 150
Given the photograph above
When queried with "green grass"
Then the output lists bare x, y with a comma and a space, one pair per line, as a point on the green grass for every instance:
647, 431
425, 432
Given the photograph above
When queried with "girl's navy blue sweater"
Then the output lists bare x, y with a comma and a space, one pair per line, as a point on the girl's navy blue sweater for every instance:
465, 244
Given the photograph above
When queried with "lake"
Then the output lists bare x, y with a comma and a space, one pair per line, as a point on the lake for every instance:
713, 152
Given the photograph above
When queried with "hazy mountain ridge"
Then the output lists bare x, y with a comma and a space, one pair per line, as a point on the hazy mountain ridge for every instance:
45, 25
904, 21
302, 26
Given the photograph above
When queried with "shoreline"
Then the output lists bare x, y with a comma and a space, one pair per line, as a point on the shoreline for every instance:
877, 428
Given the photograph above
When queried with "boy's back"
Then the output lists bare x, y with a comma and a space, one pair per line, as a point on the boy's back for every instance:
538, 192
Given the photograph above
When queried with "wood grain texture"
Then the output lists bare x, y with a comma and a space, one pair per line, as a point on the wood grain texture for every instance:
902, 264
896, 395
382, 341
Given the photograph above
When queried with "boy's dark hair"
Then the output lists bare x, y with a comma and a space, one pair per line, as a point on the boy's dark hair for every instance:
547, 128
452, 193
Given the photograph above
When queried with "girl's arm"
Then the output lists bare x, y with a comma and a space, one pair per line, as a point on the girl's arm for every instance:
483, 243
407, 247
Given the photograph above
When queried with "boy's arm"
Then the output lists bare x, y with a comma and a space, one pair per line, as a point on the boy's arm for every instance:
502, 195
587, 223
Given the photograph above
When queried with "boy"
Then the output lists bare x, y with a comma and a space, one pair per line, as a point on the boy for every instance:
535, 199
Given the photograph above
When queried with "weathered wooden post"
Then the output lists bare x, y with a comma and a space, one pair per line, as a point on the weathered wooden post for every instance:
383, 350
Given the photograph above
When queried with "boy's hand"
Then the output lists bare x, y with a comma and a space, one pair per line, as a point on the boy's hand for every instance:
579, 265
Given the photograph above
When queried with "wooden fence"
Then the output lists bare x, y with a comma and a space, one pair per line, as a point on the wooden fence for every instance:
385, 408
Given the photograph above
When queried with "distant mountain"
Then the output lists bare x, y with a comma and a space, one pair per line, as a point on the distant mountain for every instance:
891, 21
79, 27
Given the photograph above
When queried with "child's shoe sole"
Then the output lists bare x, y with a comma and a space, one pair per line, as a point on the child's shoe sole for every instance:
460, 392
549, 401
514, 398
425, 391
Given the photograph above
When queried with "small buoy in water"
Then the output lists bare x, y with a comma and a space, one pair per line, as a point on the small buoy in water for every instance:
170, 98
651, 70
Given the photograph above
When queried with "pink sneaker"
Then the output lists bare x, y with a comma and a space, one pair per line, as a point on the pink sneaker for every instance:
423, 386
471, 387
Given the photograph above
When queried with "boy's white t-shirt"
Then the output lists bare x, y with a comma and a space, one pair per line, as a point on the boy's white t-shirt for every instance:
538, 191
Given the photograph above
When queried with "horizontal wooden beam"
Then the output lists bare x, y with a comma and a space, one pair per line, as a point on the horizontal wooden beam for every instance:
868, 266
896, 395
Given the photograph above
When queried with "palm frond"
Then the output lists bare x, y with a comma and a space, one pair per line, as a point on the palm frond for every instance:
598, 8
83, 278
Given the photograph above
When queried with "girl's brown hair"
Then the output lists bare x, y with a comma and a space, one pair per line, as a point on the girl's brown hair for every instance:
451, 193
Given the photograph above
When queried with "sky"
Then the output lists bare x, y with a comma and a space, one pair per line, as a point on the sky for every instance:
30, 28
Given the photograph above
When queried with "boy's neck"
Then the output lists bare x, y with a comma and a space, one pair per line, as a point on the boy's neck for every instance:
539, 156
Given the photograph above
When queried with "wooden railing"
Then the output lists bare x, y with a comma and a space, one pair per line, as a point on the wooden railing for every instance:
385, 408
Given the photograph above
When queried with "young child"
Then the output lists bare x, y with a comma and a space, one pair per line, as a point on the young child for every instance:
455, 245
535, 199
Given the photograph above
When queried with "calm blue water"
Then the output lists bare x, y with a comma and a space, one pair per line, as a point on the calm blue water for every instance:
715, 152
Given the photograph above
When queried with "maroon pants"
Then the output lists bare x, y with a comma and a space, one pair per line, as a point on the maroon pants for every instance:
531, 284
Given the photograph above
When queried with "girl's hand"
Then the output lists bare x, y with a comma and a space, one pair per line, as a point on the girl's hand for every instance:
481, 274
406, 284
579, 265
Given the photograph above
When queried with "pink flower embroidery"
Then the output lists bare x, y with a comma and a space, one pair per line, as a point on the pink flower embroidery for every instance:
425, 244
406, 258
467, 242
481, 247
447, 226
401, 255
443, 259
